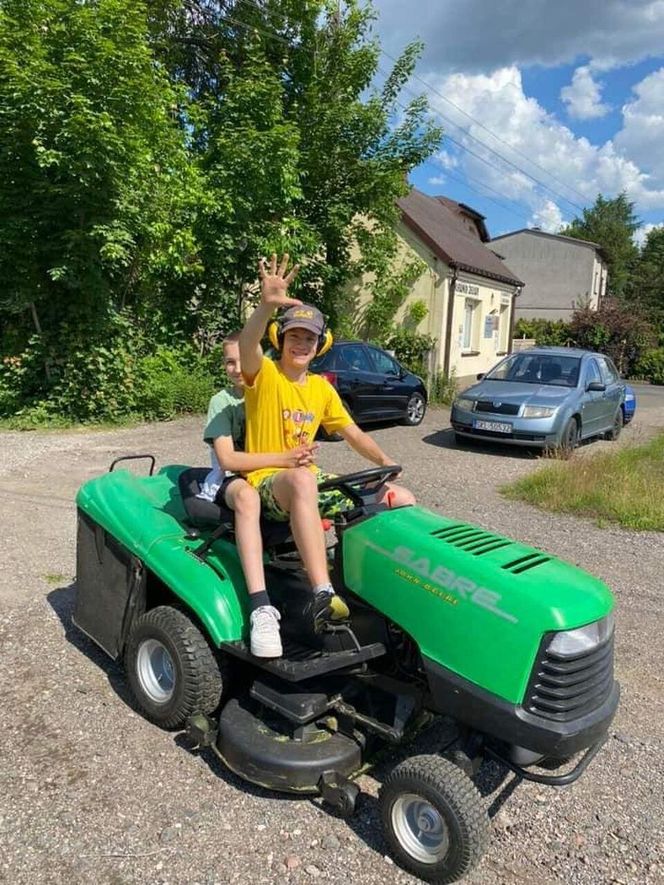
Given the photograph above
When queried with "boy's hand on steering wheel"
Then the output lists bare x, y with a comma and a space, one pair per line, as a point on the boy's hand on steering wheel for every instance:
275, 281
388, 462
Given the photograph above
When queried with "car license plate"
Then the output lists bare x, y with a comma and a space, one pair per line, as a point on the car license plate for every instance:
494, 426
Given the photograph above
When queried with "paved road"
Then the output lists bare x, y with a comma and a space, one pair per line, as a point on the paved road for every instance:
93, 793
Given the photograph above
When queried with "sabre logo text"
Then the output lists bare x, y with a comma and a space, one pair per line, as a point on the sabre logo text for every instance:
446, 578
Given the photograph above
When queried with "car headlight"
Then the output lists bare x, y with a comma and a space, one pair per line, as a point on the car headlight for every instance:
629, 397
571, 643
538, 411
463, 402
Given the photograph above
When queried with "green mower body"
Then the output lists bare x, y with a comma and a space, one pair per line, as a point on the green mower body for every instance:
509, 643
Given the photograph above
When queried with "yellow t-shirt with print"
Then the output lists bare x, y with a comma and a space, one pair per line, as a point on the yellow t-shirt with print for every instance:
282, 415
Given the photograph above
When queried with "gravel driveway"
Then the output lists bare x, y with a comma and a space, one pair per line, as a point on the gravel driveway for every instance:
92, 793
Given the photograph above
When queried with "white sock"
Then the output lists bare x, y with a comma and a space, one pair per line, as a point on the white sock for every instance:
324, 588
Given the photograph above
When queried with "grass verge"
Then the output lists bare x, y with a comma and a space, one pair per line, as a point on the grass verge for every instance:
624, 487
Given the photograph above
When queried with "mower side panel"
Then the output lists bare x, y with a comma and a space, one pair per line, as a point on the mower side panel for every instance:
474, 602
145, 516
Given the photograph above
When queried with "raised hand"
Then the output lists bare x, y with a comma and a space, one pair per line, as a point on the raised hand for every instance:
275, 281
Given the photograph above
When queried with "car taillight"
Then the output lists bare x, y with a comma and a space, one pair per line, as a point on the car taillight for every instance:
331, 377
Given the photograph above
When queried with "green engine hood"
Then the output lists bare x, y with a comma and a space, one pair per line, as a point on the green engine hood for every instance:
475, 602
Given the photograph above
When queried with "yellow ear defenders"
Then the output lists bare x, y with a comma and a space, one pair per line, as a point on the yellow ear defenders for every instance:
274, 333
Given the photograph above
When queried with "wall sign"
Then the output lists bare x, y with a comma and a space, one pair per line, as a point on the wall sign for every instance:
467, 289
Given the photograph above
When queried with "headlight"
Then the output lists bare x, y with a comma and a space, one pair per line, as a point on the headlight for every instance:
572, 643
463, 402
629, 397
538, 412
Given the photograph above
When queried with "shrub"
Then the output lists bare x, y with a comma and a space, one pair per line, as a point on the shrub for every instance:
410, 348
616, 329
171, 385
442, 388
651, 366
546, 333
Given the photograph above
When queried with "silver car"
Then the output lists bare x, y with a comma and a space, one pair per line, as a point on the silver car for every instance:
551, 397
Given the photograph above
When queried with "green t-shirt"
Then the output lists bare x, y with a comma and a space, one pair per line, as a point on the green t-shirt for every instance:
225, 417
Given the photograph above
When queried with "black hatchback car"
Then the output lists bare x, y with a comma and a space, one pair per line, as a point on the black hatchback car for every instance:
372, 384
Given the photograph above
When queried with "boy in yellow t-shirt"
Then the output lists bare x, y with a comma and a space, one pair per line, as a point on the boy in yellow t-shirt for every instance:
285, 405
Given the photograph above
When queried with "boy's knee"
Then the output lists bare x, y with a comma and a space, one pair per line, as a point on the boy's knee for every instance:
300, 479
399, 496
246, 500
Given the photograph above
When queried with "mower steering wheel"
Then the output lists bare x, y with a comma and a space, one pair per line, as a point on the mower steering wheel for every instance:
353, 484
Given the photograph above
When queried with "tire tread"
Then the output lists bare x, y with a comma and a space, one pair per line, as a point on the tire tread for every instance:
439, 774
202, 671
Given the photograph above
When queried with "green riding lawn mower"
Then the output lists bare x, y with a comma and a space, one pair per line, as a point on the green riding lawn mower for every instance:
512, 645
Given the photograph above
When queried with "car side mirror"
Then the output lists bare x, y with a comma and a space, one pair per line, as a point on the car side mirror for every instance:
479, 376
596, 386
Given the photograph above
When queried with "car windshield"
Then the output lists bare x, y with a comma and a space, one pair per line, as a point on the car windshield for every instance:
538, 368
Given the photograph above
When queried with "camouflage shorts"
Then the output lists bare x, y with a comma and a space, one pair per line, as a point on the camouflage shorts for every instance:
330, 503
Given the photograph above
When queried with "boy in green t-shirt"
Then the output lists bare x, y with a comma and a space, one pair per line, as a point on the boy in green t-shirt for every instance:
224, 432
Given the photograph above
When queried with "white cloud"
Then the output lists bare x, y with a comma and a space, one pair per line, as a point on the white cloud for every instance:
548, 217
446, 160
642, 135
583, 96
437, 180
482, 35
542, 147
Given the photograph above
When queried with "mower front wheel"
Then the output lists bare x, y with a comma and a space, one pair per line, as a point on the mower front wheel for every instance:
434, 819
171, 669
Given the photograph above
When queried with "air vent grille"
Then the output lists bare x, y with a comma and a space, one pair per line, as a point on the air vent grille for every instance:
470, 539
525, 563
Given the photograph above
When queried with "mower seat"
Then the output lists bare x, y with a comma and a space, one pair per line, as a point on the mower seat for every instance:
206, 514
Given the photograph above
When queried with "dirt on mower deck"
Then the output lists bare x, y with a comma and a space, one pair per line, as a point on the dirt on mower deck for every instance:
91, 792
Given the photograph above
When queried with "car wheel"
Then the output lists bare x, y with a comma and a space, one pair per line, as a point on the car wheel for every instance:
171, 669
415, 410
569, 439
618, 423
434, 819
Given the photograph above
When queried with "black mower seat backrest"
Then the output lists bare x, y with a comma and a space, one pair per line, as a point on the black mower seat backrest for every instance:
200, 512
206, 514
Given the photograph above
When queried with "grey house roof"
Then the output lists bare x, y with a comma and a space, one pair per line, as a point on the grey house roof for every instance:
542, 233
455, 233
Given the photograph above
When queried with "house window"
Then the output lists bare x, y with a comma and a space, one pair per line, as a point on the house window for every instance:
468, 323
503, 328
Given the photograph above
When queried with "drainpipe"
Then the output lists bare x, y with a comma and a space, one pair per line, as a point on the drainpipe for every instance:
512, 319
448, 329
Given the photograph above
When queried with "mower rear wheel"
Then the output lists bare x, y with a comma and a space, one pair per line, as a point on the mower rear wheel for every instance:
171, 669
434, 819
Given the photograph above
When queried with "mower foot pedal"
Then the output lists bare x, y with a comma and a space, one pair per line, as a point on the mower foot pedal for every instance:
296, 705
302, 662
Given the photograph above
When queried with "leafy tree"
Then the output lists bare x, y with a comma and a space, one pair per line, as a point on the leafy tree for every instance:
299, 151
611, 223
648, 283
97, 191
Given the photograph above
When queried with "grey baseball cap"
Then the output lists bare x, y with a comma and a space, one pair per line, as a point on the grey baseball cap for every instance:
303, 316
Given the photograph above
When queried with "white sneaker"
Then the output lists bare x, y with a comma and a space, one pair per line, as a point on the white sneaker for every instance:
265, 638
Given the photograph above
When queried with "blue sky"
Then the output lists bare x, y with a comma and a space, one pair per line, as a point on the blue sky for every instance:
544, 105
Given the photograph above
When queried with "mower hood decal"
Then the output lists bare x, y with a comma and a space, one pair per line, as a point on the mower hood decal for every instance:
446, 579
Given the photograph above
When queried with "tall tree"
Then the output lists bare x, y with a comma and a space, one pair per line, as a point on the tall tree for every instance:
611, 223
96, 186
648, 283
296, 144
